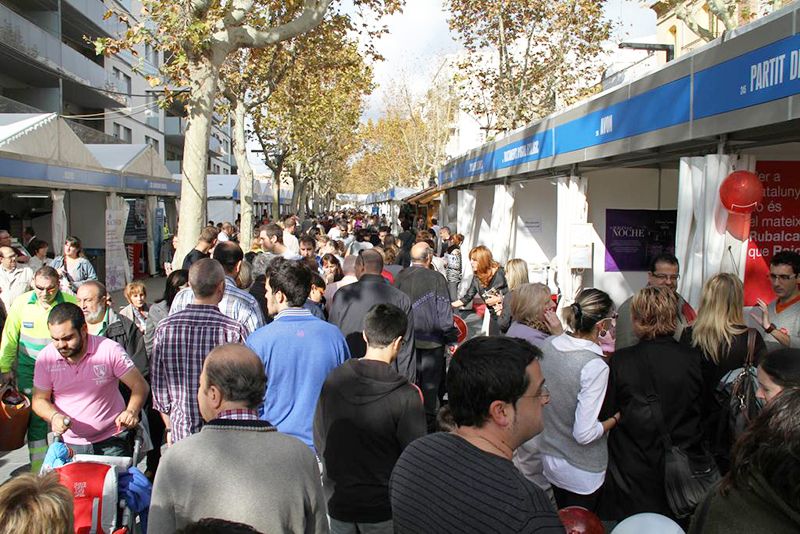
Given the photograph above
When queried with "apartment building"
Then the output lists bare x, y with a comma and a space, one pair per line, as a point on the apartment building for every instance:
47, 65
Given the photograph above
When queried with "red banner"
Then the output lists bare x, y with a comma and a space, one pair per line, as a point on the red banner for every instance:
775, 226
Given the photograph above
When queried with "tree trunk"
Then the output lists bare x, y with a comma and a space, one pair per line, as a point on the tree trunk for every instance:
276, 190
245, 175
302, 207
203, 78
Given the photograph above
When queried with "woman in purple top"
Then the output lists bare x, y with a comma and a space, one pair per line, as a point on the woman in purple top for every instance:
534, 314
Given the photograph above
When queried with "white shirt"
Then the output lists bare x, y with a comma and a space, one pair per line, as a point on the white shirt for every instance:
13, 284
594, 383
291, 242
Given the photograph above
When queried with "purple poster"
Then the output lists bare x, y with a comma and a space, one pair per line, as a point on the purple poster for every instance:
634, 237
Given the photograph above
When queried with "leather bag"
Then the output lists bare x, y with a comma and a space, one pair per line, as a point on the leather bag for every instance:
15, 412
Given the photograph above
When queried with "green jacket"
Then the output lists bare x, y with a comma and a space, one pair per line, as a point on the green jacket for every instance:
25, 332
753, 510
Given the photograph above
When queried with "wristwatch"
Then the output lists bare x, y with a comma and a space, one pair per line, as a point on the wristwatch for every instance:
770, 328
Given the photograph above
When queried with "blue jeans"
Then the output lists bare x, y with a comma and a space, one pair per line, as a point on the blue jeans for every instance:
340, 527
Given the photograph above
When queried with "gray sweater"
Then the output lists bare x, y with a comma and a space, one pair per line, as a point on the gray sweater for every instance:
562, 371
788, 319
242, 471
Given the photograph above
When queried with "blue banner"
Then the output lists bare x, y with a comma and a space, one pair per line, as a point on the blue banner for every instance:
767, 73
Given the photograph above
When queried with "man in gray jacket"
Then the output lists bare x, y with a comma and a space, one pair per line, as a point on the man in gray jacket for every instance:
351, 304
238, 468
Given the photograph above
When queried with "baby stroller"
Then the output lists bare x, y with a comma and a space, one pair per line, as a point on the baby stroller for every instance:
107, 490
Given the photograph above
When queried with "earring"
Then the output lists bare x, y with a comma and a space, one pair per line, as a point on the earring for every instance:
603, 333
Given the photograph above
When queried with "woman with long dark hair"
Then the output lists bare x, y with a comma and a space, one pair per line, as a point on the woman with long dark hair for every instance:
159, 311
488, 281
761, 492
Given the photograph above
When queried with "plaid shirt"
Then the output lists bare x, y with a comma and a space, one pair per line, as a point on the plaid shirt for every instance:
238, 414
237, 304
181, 344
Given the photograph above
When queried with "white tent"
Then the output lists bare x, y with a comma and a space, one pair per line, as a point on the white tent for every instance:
136, 159
43, 136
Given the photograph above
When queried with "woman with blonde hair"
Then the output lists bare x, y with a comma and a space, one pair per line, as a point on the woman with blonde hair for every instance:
573, 444
488, 281
137, 309
656, 370
516, 275
534, 314
719, 333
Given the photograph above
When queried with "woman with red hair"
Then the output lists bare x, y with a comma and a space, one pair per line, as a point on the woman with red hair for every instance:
488, 281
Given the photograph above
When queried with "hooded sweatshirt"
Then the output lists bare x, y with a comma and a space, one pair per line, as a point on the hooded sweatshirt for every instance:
366, 415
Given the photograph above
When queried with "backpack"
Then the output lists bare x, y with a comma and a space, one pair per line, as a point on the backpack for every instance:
736, 393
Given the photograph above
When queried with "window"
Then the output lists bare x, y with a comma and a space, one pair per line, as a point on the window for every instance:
152, 142
151, 54
122, 133
122, 80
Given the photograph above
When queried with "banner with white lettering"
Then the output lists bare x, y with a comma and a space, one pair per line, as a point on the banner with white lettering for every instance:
774, 226
635, 237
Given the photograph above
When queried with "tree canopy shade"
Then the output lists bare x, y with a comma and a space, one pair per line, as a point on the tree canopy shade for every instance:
526, 58
198, 38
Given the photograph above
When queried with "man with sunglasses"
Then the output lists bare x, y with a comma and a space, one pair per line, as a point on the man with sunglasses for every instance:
664, 272
781, 318
24, 336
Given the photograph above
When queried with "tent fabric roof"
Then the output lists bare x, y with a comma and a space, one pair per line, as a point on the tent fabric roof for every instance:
41, 147
44, 136
138, 159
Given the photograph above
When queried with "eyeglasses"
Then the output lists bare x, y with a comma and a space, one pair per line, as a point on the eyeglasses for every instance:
662, 276
544, 393
782, 277
45, 289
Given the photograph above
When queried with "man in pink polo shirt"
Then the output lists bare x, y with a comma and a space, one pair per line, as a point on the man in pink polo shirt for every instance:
77, 377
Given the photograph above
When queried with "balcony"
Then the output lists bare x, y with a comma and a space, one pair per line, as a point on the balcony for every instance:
175, 133
77, 11
174, 165
20, 36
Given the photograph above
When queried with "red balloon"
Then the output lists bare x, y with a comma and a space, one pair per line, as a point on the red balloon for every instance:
461, 326
739, 225
579, 520
741, 191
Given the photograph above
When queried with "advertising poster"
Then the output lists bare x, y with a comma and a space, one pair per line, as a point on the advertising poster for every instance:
774, 226
116, 259
634, 237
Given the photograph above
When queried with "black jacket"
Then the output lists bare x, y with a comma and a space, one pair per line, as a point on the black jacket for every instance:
352, 302
635, 478
123, 331
430, 300
366, 415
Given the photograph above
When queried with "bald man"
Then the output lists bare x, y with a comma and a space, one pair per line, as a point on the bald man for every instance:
14, 279
433, 323
270, 481
351, 304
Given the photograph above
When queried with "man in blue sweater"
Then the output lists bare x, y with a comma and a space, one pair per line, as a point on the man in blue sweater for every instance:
297, 349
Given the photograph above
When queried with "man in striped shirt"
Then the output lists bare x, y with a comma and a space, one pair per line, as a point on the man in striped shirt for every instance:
236, 303
181, 344
465, 481
25, 334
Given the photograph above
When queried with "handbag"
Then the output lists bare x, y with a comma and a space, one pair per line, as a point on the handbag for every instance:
15, 411
687, 478
736, 393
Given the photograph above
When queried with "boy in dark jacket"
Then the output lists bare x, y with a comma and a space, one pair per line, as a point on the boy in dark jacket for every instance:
366, 415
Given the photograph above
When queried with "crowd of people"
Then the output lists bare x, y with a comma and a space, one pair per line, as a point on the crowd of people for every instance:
313, 384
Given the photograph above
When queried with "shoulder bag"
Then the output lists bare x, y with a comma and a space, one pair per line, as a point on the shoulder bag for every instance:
736, 393
687, 478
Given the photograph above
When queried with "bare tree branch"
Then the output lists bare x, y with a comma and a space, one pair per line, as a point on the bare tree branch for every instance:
250, 37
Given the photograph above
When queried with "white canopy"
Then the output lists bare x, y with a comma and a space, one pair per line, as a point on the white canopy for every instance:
44, 136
